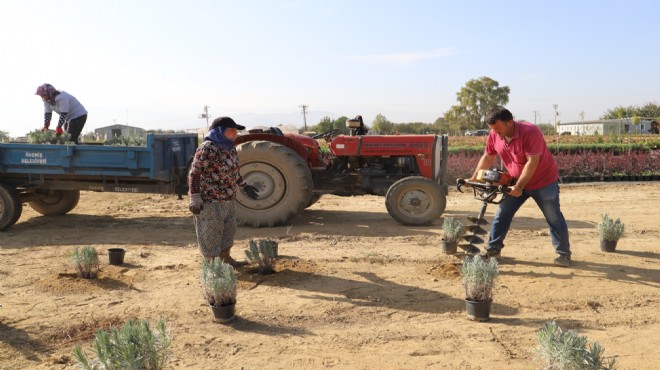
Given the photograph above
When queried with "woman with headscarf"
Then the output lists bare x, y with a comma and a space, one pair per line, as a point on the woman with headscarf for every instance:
72, 114
213, 182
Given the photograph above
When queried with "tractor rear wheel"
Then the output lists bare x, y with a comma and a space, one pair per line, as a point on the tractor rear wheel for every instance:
11, 206
415, 201
315, 198
283, 179
56, 202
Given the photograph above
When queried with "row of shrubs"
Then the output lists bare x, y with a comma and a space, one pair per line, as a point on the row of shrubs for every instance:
614, 148
648, 141
461, 164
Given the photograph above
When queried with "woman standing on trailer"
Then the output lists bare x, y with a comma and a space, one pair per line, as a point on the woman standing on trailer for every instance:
72, 114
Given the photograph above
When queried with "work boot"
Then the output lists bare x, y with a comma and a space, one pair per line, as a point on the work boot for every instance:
492, 253
563, 260
226, 257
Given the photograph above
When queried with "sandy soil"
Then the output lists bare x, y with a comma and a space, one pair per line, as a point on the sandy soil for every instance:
353, 289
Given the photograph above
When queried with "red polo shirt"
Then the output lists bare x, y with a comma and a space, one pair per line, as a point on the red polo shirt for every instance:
527, 140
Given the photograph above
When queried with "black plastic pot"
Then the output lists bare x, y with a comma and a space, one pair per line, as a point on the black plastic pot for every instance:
449, 247
478, 311
116, 256
224, 314
608, 245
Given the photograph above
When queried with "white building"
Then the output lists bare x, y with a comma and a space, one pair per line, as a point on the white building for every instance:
607, 127
108, 132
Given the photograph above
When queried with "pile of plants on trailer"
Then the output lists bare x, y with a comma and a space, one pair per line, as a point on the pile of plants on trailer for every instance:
49, 137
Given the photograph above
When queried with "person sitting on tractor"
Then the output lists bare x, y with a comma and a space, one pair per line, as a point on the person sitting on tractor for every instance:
523, 151
356, 126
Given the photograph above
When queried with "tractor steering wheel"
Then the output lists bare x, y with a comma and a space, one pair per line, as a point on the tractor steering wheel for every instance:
328, 134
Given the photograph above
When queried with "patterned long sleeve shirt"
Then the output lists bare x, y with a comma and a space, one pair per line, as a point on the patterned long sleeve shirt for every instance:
215, 173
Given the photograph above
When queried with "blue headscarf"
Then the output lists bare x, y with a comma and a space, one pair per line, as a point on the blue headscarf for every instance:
217, 137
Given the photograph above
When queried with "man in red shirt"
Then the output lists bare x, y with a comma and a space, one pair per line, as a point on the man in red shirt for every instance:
525, 155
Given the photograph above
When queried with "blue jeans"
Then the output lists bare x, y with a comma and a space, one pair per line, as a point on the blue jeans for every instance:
547, 199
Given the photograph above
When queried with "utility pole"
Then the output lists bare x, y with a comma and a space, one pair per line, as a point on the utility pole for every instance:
556, 113
304, 112
535, 114
582, 116
205, 115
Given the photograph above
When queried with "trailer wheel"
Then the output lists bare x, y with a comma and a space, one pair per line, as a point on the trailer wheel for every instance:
56, 202
415, 201
11, 206
283, 179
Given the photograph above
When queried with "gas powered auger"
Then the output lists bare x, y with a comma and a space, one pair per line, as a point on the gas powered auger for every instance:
489, 185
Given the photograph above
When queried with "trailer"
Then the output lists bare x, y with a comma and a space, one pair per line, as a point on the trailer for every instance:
50, 177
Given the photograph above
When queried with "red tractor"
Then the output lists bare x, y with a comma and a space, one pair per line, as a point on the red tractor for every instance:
292, 171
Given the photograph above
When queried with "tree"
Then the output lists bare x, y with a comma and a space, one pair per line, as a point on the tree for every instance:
646, 111
324, 125
475, 100
382, 125
547, 129
340, 124
655, 126
456, 120
4, 137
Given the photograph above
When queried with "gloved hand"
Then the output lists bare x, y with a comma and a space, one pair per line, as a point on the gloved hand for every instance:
45, 128
250, 191
58, 131
195, 203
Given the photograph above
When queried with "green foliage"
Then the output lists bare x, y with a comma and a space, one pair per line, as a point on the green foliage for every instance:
324, 125
566, 350
646, 111
610, 229
453, 228
219, 282
4, 137
475, 100
262, 253
134, 346
479, 275
547, 129
340, 124
86, 262
127, 141
49, 137
382, 125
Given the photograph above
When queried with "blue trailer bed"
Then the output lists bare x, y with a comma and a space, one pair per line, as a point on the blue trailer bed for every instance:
50, 177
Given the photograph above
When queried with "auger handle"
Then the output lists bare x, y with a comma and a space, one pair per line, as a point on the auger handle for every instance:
503, 189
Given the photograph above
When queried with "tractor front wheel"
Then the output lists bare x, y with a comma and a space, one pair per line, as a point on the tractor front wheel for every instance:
283, 179
415, 201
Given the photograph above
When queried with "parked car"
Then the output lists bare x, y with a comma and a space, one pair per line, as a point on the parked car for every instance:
477, 133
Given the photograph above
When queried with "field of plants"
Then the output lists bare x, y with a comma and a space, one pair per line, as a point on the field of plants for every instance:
586, 158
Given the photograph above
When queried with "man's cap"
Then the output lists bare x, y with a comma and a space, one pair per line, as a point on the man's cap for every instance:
226, 122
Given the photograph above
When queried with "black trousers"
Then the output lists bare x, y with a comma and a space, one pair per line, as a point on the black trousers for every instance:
76, 126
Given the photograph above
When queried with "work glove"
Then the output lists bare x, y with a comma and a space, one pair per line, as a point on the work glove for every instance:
250, 191
195, 203
58, 131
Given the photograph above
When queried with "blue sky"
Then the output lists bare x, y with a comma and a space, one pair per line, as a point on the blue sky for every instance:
156, 63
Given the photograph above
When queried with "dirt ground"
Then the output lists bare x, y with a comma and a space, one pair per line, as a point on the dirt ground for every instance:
353, 289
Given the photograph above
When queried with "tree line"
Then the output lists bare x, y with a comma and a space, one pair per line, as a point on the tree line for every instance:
474, 100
